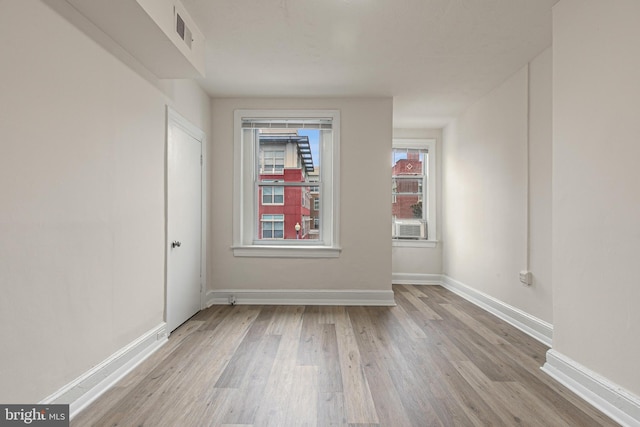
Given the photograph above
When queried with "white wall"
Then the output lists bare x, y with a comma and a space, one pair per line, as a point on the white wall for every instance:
485, 190
418, 262
365, 261
82, 190
596, 200
540, 159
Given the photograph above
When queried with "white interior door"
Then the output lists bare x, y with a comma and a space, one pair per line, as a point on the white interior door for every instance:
184, 222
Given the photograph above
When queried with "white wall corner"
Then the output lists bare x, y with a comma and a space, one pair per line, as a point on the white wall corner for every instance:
301, 297
531, 325
416, 279
613, 400
92, 384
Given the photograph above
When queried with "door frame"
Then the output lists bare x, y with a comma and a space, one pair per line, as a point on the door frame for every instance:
174, 118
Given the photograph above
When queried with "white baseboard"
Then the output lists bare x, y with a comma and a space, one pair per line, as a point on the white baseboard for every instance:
301, 297
613, 400
416, 279
531, 325
93, 383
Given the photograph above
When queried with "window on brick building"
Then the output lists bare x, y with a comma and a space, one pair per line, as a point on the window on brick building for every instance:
272, 226
281, 158
272, 195
413, 191
272, 161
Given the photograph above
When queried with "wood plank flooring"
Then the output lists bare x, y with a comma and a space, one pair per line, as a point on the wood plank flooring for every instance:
433, 360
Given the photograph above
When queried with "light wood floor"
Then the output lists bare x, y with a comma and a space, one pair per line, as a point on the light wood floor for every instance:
433, 360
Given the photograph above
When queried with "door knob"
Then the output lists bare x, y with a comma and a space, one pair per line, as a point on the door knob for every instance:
175, 244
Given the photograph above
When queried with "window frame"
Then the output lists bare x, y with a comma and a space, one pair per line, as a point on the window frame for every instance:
246, 201
430, 214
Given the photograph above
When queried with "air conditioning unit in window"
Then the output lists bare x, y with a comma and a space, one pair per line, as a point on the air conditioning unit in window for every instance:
409, 229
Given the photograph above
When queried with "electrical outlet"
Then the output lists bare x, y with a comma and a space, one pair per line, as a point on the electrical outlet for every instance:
232, 299
526, 277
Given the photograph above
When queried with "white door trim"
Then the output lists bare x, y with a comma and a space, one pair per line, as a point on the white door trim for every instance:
174, 118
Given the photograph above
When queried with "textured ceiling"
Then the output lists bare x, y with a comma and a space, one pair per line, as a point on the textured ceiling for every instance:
435, 57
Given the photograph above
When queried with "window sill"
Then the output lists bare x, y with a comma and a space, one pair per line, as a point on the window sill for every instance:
273, 251
414, 243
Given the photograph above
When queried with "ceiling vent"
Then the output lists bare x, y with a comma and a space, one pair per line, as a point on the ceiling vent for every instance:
183, 31
159, 34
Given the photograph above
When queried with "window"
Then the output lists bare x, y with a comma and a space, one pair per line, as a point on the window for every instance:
316, 204
280, 158
413, 192
272, 226
273, 195
272, 161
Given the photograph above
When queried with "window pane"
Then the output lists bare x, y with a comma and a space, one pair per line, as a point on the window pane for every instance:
289, 159
266, 194
278, 195
407, 185
407, 207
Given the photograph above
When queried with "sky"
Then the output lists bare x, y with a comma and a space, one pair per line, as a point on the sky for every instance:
314, 137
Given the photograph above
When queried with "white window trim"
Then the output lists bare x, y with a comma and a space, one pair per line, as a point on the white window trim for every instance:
245, 201
430, 145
